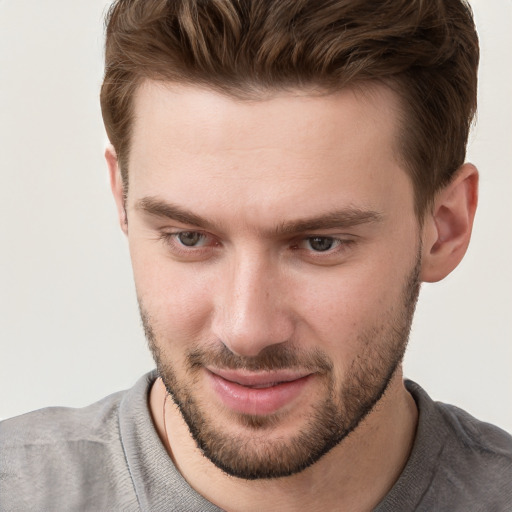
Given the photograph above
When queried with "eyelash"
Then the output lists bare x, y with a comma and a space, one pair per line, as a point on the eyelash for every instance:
336, 241
172, 240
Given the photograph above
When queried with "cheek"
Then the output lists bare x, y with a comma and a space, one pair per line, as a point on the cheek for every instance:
340, 308
173, 294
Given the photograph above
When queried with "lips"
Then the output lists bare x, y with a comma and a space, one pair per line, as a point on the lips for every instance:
257, 393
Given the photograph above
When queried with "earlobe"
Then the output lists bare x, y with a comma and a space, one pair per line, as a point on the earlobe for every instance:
447, 228
116, 185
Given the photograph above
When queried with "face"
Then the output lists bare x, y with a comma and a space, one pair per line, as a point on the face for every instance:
275, 254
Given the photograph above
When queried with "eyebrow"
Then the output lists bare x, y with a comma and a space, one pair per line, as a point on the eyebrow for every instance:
341, 219
160, 208
345, 218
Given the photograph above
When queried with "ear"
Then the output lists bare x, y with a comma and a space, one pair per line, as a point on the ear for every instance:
116, 184
447, 228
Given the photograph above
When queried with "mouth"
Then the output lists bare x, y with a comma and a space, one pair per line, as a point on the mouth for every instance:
257, 393
264, 386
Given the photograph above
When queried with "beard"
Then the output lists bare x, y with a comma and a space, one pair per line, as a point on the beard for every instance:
255, 454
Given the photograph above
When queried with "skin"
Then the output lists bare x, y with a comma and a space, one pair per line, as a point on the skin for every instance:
246, 169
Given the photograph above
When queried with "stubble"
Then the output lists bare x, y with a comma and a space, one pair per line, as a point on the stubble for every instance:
254, 453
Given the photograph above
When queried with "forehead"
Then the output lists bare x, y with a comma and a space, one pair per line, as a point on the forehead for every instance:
309, 112
203, 146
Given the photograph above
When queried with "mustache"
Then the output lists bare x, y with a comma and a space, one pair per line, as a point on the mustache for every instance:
272, 357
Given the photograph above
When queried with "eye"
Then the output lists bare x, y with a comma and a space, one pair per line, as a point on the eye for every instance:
324, 250
189, 245
321, 243
191, 238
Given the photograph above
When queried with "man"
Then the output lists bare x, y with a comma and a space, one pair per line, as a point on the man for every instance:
287, 173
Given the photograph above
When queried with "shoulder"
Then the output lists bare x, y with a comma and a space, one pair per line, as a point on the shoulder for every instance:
55, 456
54, 425
478, 456
477, 437
473, 459
464, 434
58, 435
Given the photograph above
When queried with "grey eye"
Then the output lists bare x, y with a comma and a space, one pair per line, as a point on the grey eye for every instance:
190, 238
321, 243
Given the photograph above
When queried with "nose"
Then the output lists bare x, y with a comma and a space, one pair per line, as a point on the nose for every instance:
251, 311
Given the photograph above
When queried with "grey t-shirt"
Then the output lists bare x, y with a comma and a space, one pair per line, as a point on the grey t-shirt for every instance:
108, 457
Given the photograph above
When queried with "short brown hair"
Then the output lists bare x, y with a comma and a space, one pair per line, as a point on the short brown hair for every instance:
427, 50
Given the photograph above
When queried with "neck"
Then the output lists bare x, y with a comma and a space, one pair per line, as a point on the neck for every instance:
355, 475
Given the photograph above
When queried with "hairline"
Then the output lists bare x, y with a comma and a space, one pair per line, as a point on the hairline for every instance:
370, 88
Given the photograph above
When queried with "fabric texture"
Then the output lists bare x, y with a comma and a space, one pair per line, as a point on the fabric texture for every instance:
108, 457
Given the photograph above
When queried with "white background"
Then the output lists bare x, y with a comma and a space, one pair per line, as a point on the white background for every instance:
69, 329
